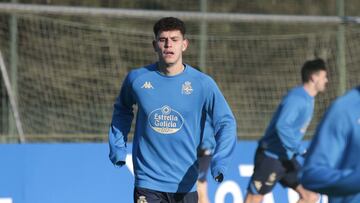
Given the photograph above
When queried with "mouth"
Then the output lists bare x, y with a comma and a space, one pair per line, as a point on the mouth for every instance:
168, 53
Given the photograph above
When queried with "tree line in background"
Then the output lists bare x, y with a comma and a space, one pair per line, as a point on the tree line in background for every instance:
76, 62
299, 7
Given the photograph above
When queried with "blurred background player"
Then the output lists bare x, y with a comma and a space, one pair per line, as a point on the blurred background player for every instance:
173, 102
332, 166
205, 152
275, 158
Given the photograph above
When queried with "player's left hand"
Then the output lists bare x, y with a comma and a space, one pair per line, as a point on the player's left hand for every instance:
302, 151
120, 163
219, 178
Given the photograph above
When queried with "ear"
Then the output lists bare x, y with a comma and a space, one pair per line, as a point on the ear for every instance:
313, 77
185, 44
155, 45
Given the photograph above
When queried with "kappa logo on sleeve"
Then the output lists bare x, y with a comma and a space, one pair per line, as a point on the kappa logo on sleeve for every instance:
166, 120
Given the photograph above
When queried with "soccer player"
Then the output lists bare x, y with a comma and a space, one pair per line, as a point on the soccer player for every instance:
275, 158
173, 102
205, 152
332, 166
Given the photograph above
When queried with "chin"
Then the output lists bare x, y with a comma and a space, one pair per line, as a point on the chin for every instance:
322, 90
169, 63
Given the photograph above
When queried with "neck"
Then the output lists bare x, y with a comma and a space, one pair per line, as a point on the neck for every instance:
310, 89
170, 70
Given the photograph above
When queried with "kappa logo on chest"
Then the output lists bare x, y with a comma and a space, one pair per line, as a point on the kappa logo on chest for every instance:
147, 85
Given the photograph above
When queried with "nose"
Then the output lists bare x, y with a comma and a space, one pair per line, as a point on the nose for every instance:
168, 43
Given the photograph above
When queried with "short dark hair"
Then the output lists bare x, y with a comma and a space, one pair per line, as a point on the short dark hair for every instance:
310, 67
169, 23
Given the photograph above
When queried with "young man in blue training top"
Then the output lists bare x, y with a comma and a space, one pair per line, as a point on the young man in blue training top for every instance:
173, 102
332, 166
275, 159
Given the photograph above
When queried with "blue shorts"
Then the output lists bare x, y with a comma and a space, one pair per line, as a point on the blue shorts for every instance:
142, 195
268, 171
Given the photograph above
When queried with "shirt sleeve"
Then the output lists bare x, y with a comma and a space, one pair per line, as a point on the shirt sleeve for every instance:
321, 172
224, 129
121, 123
208, 140
290, 109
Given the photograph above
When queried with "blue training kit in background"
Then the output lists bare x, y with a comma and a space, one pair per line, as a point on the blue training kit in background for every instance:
333, 164
283, 136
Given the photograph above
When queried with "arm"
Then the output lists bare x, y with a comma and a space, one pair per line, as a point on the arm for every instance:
224, 129
207, 144
322, 171
121, 124
288, 114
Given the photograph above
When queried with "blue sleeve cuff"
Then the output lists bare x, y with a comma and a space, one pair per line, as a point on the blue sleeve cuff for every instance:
217, 171
301, 150
117, 144
118, 157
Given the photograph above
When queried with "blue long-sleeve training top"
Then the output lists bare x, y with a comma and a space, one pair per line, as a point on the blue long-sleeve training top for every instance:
333, 164
170, 120
283, 136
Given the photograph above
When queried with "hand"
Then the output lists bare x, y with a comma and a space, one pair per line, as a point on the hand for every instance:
120, 163
219, 178
302, 151
204, 152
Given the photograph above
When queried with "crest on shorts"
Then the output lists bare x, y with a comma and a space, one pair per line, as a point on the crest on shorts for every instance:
141, 199
257, 185
271, 179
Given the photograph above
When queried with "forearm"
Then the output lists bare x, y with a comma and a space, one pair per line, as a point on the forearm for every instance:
119, 129
288, 140
225, 146
332, 182
118, 147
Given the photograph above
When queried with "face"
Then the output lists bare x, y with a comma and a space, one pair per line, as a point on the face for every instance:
169, 45
320, 79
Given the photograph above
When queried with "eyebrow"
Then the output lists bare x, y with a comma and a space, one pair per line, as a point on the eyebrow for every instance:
174, 37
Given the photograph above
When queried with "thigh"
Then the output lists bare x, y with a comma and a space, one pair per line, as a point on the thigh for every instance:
142, 195
290, 179
189, 197
267, 172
